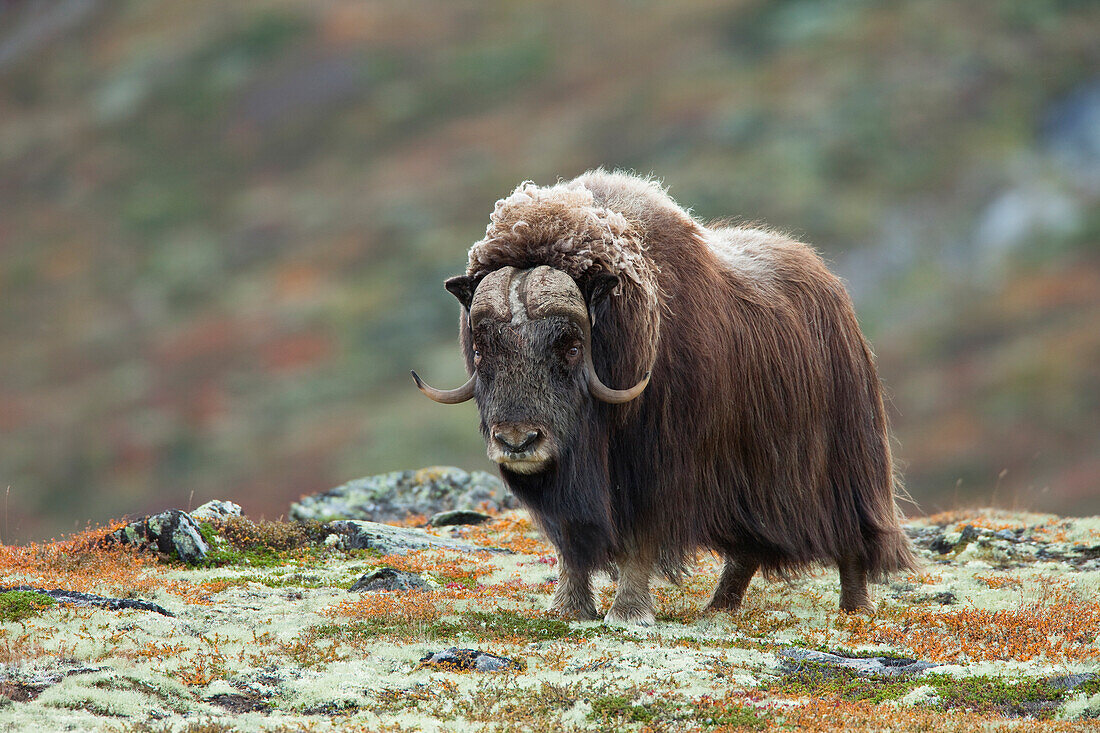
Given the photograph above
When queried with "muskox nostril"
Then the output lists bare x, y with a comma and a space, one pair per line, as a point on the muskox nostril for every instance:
528, 439
516, 442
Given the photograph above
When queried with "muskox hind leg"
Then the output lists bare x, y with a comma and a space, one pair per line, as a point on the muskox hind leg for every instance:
853, 586
633, 602
573, 594
737, 572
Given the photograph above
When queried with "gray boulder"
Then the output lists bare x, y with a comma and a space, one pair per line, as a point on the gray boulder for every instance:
216, 510
388, 540
468, 660
389, 579
173, 533
391, 497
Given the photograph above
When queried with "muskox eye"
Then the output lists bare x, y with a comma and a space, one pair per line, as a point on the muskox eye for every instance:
572, 353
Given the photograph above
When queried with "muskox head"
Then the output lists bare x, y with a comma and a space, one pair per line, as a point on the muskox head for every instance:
530, 341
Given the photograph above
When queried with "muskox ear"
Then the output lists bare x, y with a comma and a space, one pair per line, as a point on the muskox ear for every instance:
462, 287
597, 288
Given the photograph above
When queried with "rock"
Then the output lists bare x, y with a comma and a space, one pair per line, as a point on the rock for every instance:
941, 546
389, 579
865, 666
173, 532
969, 534
469, 660
388, 540
391, 497
216, 510
72, 598
456, 517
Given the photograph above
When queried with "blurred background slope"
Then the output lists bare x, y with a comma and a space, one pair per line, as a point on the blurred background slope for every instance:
224, 226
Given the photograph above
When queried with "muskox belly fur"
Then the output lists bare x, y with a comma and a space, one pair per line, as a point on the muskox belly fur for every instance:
751, 421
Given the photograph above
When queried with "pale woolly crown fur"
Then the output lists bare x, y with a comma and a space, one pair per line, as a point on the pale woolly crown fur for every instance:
562, 226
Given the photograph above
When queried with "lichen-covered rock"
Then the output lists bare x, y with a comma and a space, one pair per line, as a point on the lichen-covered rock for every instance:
391, 497
216, 510
389, 579
173, 532
73, 598
468, 660
874, 666
389, 540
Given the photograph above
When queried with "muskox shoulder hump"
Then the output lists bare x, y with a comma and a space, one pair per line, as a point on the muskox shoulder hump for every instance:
644, 201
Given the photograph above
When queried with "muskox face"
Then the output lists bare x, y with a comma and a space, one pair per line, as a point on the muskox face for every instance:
528, 336
531, 389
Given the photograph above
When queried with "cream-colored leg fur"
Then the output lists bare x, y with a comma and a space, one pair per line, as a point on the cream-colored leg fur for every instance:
573, 596
633, 602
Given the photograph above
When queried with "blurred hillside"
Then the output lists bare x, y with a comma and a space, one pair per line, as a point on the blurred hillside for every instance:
224, 226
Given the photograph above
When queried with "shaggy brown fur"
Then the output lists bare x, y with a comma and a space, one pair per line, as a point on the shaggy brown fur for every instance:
762, 433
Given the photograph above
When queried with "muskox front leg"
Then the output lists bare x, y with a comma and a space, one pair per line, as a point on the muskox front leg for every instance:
737, 572
853, 586
573, 594
633, 602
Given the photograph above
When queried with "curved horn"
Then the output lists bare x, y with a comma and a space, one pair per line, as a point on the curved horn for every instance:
447, 396
598, 389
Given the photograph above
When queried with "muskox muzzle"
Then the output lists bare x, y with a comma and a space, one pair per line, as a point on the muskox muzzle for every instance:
512, 295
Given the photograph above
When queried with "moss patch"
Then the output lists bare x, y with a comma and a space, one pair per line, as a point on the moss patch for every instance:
241, 541
1015, 698
813, 679
17, 605
1024, 697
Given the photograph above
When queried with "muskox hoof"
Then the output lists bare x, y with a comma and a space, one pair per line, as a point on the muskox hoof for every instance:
639, 617
722, 605
575, 614
862, 606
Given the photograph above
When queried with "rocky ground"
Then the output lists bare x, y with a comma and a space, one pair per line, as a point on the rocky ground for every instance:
342, 624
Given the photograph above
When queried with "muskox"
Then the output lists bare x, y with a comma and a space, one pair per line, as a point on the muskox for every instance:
751, 422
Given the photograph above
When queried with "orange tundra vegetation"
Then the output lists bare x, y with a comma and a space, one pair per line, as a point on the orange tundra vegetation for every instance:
423, 607
1058, 626
90, 562
515, 533
999, 581
829, 714
86, 562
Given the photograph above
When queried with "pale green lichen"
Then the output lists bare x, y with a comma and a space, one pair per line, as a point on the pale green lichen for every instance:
1081, 707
